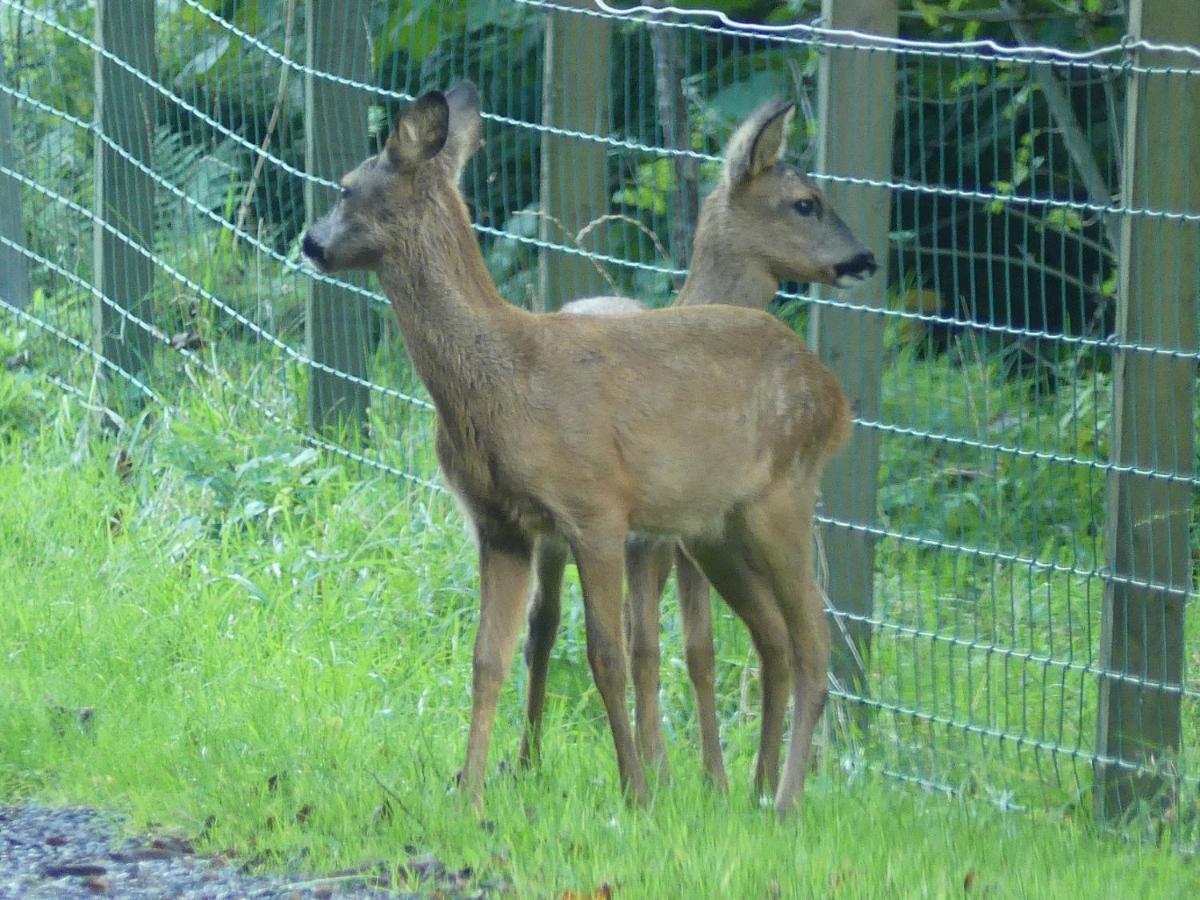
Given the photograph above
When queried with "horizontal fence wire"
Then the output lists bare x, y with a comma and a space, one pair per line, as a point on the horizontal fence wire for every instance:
1001, 310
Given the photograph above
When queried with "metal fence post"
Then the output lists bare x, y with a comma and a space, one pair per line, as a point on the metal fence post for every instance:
337, 325
1148, 553
574, 182
127, 113
855, 107
14, 268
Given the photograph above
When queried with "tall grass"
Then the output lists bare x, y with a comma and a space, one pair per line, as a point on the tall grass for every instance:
210, 625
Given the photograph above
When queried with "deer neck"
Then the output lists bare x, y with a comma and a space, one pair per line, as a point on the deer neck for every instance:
460, 334
718, 274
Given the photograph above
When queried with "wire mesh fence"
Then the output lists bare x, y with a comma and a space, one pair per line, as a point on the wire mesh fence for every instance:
1009, 540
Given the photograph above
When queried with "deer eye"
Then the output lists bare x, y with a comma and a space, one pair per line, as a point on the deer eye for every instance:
346, 192
805, 207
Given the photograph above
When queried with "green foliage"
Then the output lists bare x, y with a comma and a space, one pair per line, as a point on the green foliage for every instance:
988, 126
22, 397
270, 590
651, 186
288, 684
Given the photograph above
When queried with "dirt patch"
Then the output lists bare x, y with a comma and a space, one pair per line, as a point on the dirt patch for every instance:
79, 853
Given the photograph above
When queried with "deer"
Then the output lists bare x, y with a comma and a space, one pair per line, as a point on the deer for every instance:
585, 429
765, 222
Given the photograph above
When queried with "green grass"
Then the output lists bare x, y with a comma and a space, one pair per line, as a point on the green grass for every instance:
275, 649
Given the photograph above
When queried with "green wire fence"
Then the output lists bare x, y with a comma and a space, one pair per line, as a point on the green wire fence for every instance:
1007, 543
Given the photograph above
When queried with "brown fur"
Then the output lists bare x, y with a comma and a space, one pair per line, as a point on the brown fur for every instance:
749, 237
588, 427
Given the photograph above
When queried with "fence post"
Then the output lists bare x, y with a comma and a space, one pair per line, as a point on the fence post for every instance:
574, 182
126, 110
337, 324
669, 71
855, 108
14, 268
1148, 554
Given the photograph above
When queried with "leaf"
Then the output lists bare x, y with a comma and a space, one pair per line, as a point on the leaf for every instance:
416, 28
251, 588
305, 457
931, 13
1063, 219
652, 182
734, 102
204, 61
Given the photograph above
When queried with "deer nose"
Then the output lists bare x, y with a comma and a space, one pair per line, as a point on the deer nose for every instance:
861, 266
313, 250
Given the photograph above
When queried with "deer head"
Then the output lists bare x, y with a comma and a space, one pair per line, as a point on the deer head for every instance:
766, 214
391, 194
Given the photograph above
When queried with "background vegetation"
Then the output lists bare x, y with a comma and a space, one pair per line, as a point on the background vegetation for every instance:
234, 604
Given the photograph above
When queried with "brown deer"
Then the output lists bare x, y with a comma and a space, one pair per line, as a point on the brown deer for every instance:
765, 222
708, 424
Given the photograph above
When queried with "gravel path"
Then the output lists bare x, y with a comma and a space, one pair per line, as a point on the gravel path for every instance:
73, 853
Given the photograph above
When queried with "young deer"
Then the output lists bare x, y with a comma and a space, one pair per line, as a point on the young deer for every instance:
706, 423
765, 222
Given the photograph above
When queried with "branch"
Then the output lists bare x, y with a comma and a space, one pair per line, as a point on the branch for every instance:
1064, 116
280, 96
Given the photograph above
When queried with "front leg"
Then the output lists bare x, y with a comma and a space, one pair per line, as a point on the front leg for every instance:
504, 563
601, 562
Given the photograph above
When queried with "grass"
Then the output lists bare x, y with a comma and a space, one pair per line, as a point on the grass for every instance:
210, 627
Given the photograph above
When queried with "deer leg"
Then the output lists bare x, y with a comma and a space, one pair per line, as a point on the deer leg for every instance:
550, 560
750, 596
647, 563
504, 562
601, 573
783, 533
695, 614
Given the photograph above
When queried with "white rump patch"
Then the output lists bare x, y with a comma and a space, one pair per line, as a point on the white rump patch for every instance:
604, 306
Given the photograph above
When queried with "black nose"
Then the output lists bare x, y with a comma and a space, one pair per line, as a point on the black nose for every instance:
313, 250
862, 265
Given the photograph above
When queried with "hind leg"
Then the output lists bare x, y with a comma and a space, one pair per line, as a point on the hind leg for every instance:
601, 561
545, 609
647, 564
751, 597
781, 528
695, 613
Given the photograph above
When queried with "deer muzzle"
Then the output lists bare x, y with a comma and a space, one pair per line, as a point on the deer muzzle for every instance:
857, 268
313, 251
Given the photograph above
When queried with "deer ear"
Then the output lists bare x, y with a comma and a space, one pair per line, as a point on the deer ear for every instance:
466, 125
759, 142
420, 131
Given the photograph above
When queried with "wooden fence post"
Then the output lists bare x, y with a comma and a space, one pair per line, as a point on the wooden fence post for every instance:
14, 267
1148, 517
337, 325
669, 71
126, 110
574, 173
855, 107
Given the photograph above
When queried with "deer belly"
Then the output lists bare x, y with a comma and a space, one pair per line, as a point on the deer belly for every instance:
692, 494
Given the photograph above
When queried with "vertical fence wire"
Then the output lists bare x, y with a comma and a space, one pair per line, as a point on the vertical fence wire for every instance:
1000, 311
